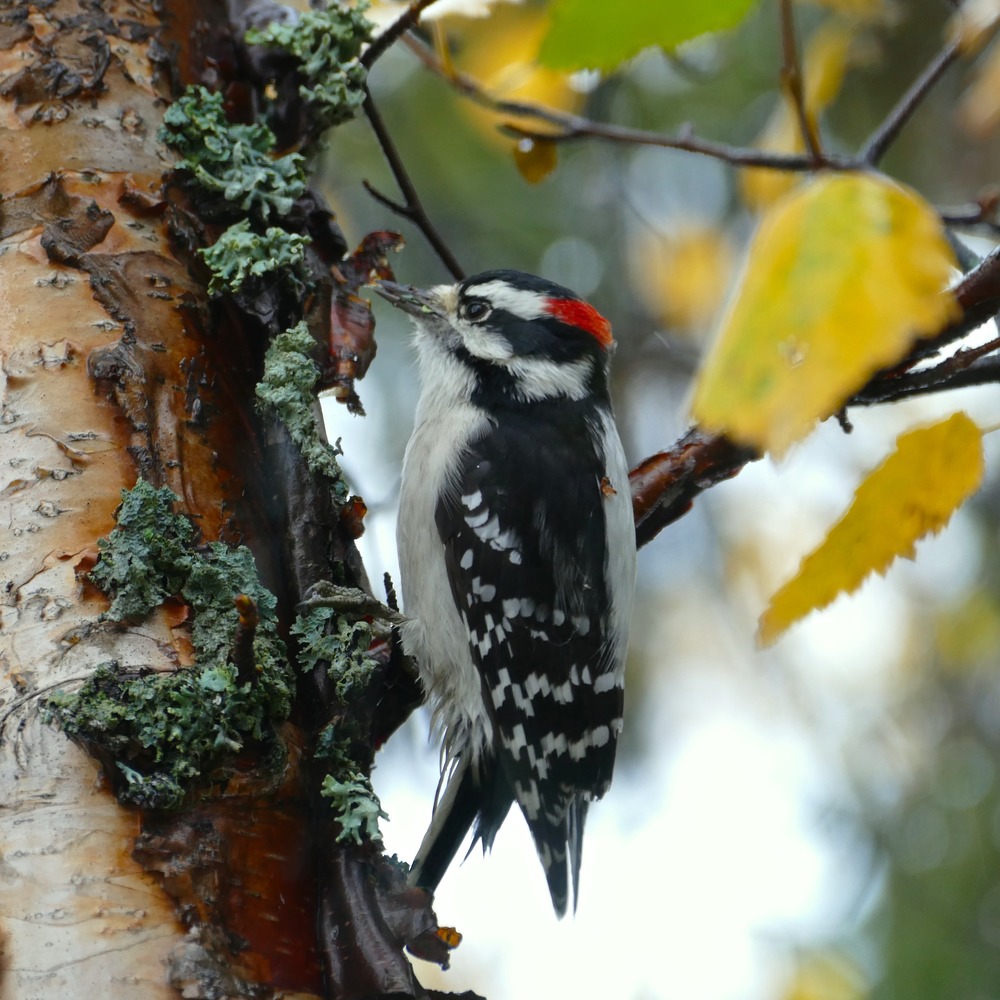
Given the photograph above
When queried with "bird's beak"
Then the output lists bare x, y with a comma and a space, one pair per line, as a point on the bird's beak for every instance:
415, 301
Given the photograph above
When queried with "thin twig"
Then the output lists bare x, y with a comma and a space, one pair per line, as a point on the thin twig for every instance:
575, 127
967, 216
407, 20
884, 136
411, 208
791, 81
984, 211
929, 380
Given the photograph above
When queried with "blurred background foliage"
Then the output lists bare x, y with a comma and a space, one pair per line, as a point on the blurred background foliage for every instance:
819, 821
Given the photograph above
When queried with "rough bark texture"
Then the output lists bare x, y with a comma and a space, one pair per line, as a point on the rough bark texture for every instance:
116, 367
108, 374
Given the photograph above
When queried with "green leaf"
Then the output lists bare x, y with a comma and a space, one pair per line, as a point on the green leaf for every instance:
594, 34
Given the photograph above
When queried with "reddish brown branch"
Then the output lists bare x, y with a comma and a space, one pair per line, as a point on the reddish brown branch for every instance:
665, 485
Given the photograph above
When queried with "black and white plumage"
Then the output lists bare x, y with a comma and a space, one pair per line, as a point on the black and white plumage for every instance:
517, 558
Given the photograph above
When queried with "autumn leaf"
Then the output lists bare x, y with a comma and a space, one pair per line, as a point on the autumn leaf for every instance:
535, 159
501, 53
843, 275
593, 34
913, 493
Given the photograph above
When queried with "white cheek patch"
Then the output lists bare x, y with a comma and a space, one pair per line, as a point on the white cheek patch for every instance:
482, 343
522, 302
539, 378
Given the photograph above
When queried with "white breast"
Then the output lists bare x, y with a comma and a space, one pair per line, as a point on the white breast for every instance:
620, 528
435, 635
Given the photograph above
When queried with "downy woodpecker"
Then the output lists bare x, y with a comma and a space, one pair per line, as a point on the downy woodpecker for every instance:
517, 561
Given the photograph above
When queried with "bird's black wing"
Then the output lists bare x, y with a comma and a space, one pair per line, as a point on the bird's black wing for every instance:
526, 556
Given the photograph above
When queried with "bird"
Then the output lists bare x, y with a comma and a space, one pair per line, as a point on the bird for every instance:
517, 557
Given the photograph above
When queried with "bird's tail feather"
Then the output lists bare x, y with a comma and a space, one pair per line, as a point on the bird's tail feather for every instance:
559, 843
477, 792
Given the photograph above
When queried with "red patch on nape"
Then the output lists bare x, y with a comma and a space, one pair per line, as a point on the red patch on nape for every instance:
583, 316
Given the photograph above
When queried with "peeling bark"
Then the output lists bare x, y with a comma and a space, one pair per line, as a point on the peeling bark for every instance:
116, 367
109, 372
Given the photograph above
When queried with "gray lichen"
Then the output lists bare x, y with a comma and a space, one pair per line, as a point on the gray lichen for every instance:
287, 391
165, 732
234, 161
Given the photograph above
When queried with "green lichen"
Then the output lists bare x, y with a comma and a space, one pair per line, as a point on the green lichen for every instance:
233, 161
327, 44
165, 731
240, 254
343, 645
338, 641
357, 806
286, 391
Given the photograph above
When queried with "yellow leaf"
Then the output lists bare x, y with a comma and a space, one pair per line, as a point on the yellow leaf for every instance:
501, 53
535, 159
824, 65
843, 275
912, 493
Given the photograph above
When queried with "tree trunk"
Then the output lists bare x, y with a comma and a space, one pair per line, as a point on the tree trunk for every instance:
116, 369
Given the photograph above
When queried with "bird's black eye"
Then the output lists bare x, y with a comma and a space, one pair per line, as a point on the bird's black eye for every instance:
476, 310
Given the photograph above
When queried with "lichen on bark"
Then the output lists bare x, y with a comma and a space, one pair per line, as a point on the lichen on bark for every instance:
161, 733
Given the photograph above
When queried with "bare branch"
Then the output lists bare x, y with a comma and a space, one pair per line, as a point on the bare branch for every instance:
884, 136
940, 378
791, 83
575, 126
407, 20
411, 208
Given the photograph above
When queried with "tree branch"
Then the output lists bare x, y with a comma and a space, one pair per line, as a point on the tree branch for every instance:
575, 126
412, 208
407, 20
884, 136
958, 372
665, 485
791, 82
